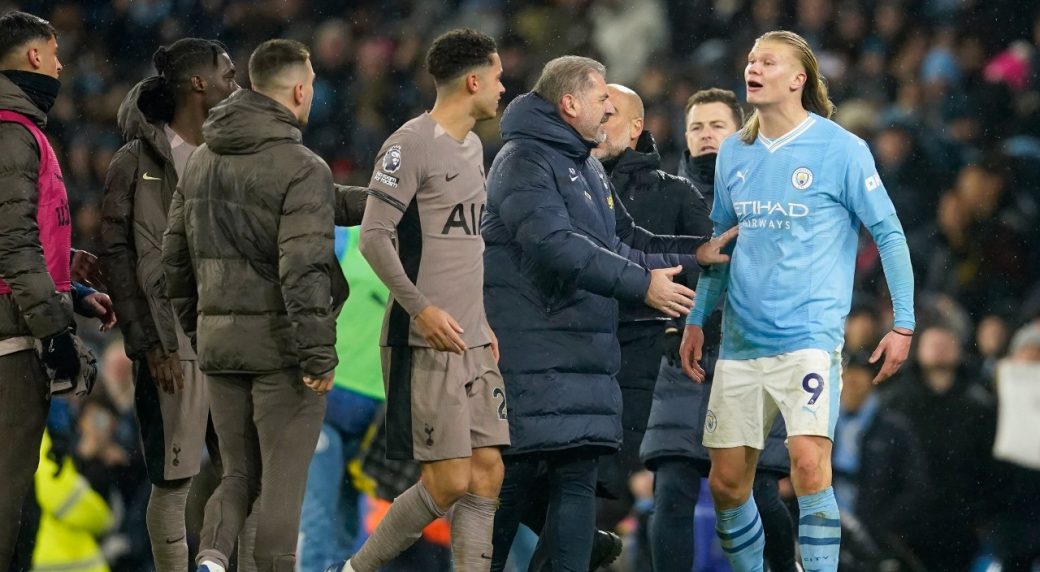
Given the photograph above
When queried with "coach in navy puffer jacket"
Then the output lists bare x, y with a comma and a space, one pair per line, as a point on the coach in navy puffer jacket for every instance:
560, 252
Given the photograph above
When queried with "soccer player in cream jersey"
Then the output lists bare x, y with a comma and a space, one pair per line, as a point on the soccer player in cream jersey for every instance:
800, 187
445, 397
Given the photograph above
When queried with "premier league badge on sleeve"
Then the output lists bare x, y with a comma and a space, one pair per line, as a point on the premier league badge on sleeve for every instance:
392, 159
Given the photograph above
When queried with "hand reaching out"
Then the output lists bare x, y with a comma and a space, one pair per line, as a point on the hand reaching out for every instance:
711, 252
666, 296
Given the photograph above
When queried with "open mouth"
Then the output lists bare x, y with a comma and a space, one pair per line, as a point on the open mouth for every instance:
754, 85
707, 148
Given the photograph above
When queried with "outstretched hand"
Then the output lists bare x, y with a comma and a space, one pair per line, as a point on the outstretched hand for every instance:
666, 296
711, 252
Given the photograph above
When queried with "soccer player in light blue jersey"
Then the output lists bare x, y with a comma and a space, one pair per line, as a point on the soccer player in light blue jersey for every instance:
800, 187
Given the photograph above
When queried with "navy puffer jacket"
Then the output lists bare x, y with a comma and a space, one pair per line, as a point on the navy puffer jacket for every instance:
554, 268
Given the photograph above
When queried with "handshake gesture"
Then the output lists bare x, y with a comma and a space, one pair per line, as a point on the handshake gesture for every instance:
674, 300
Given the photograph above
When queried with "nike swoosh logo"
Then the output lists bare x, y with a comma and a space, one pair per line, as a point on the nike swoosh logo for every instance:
574, 178
485, 556
150, 178
449, 178
175, 540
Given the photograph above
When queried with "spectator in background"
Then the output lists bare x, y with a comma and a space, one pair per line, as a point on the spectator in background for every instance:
972, 252
1014, 527
991, 344
616, 22
73, 514
99, 456
904, 166
862, 329
953, 418
880, 472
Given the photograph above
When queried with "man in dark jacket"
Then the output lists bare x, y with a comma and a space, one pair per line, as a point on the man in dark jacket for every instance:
251, 230
37, 294
662, 204
161, 119
555, 266
953, 417
876, 457
672, 446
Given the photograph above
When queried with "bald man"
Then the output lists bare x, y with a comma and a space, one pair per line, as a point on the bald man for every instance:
662, 204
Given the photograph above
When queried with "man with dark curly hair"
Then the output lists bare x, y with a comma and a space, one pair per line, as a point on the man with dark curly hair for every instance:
445, 397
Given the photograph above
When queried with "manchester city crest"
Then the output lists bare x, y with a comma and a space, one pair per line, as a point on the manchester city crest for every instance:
710, 422
802, 178
392, 159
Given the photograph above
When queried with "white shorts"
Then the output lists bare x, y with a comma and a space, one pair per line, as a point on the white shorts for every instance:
803, 386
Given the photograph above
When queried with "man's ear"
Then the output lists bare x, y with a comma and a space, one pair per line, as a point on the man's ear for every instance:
34, 58
569, 105
799, 81
298, 96
198, 84
472, 83
636, 129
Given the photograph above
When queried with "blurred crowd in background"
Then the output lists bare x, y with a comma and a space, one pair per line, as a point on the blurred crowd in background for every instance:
946, 93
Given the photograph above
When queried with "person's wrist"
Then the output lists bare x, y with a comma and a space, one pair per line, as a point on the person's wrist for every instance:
903, 331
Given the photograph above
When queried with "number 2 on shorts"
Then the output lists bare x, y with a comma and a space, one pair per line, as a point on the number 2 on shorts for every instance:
501, 395
815, 389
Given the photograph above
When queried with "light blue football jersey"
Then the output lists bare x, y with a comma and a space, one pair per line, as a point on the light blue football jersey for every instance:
800, 200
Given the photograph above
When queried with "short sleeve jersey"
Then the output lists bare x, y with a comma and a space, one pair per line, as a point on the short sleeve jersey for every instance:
437, 182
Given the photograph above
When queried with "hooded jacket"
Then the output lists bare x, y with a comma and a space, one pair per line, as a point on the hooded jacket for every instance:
659, 202
33, 308
138, 190
555, 264
251, 231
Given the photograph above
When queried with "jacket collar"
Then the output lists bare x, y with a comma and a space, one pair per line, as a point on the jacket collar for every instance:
644, 157
529, 116
12, 98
